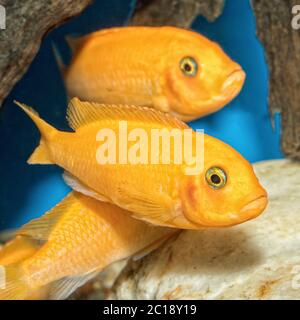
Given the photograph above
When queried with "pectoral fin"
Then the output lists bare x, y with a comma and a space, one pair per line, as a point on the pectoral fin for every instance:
80, 187
150, 207
63, 288
144, 252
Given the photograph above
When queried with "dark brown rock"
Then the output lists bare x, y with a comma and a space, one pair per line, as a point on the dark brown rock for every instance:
282, 47
26, 24
180, 13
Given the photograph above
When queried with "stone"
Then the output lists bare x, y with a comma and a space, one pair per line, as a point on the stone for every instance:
179, 13
27, 22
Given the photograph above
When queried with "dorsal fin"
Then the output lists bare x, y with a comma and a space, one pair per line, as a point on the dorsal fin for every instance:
80, 113
75, 42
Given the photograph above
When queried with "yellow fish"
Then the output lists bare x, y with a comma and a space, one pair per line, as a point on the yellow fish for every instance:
80, 236
170, 69
225, 192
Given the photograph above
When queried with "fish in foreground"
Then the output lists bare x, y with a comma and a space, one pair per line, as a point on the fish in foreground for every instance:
80, 236
224, 193
170, 69
17, 250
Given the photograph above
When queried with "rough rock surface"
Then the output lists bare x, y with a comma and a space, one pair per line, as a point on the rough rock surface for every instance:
259, 259
180, 13
26, 24
282, 47
99, 287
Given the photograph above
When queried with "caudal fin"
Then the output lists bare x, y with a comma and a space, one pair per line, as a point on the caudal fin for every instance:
41, 154
12, 285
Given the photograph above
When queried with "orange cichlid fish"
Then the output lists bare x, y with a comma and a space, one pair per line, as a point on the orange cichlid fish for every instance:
170, 69
80, 236
226, 191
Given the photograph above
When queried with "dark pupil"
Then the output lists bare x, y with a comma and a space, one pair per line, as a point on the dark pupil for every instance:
215, 179
187, 67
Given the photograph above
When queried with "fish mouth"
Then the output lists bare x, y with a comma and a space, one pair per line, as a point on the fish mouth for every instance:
255, 207
236, 76
232, 85
249, 211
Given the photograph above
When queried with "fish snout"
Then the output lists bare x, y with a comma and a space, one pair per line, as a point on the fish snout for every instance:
234, 82
255, 207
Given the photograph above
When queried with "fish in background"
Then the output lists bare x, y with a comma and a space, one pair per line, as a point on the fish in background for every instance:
170, 69
78, 238
223, 193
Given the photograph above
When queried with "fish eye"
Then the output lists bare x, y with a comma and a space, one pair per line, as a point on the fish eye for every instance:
216, 177
189, 66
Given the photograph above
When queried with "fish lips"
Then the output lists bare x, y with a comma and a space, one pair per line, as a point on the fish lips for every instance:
251, 210
231, 86
255, 207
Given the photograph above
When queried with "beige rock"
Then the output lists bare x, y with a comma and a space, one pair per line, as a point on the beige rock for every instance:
99, 287
259, 259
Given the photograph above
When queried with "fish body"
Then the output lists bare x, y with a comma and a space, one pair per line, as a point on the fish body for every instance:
17, 250
170, 69
225, 192
81, 236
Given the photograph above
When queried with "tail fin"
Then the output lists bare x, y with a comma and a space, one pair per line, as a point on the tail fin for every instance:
12, 286
41, 154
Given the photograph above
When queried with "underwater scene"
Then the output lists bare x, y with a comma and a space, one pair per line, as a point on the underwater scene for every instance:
149, 150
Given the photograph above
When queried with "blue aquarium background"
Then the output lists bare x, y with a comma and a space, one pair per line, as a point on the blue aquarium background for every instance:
27, 191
